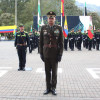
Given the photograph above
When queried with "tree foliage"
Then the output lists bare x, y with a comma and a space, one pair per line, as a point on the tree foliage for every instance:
95, 18
6, 19
26, 9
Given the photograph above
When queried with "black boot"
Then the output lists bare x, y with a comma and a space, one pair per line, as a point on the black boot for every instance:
47, 91
54, 92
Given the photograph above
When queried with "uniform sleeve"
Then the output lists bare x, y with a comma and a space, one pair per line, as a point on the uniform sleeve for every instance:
60, 44
15, 40
41, 41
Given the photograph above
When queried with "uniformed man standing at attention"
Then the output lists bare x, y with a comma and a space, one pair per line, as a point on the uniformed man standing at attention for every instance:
31, 38
79, 39
51, 49
97, 35
21, 43
71, 39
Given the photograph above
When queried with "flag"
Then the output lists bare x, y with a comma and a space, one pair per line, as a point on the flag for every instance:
8, 29
85, 13
14, 32
15, 27
65, 32
90, 30
31, 29
62, 10
94, 27
42, 21
62, 7
39, 14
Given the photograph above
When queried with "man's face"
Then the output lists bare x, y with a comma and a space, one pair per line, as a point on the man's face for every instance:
30, 33
51, 20
79, 30
21, 28
73, 30
98, 30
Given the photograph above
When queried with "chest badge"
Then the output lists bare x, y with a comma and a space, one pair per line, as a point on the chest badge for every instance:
56, 31
45, 32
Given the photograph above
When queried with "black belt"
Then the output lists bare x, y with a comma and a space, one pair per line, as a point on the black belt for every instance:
21, 44
50, 46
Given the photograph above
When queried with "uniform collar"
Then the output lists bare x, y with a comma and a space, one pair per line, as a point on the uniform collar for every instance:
21, 32
51, 26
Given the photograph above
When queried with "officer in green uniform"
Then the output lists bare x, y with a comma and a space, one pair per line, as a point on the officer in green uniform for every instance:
51, 49
94, 40
71, 39
31, 42
79, 39
97, 35
21, 43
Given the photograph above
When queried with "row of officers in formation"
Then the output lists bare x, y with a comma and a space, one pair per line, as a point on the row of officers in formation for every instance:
74, 39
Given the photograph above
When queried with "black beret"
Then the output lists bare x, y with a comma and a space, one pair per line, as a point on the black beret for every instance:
51, 14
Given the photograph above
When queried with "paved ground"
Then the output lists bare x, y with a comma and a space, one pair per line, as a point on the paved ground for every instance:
78, 76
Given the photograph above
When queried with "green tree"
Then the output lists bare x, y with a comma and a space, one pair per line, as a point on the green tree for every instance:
71, 9
95, 18
26, 9
6, 19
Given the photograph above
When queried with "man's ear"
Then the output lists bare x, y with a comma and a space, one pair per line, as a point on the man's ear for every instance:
55, 19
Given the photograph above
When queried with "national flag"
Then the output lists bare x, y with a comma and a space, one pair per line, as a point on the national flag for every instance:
62, 10
90, 30
39, 14
42, 21
31, 29
85, 13
15, 27
62, 7
14, 32
8, 29
65, 31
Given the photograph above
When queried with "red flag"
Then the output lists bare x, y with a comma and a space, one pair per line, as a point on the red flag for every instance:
62, 7
90, 32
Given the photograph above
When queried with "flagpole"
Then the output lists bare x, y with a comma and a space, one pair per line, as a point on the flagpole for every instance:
62, 11
61, 20
16, 12
38, 15
85, 10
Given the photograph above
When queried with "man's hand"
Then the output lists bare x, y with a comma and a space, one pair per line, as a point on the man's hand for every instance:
42, 57
59, 58
16, 47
